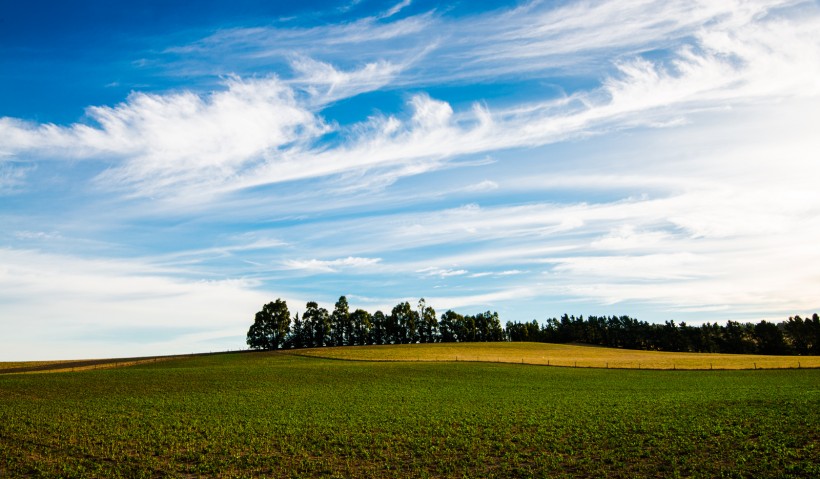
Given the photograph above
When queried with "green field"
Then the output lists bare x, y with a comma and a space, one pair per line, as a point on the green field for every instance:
281, 415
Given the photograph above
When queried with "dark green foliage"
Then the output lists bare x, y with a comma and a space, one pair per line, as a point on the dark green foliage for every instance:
797, 336
297, 338
317, 322
342, 328
362, 324
270, 326
378, 333
404, 325
405, 322
448, 326
770, 339
428, 324
275, 415
805, 334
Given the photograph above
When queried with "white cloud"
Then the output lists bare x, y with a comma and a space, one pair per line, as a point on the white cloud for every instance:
178, 141
36, 235
441, 272
397, 8
77, 308
260, 132
266, 42
330, 266
486, 185
324, 83
482, 300
625, 238
12, 177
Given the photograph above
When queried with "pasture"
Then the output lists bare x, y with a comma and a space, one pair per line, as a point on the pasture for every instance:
278, 414
567, 355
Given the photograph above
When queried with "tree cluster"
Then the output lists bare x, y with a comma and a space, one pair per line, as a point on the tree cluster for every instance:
318, 327
273, 328
795, 336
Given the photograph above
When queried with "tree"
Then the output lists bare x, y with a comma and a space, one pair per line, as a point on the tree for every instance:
407, 321
804, 334
297, 334
770, 339
738, 338
317, 321
467, 329
448, 326
270, 326
341, 329
362, 324
428, 324
494, 330
378, 333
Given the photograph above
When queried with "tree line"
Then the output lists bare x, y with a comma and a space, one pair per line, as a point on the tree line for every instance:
317, 327
796, 336
274, 328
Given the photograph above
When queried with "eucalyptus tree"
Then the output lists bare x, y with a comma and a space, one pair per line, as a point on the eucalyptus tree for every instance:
296, 339
449, 325
320, 325
270, 326
428, 324
340, 320
406, 321
378, 332
362, 324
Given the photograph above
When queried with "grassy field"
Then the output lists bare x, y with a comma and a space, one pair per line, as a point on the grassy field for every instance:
10, 366
83, 364
281, 415
561, 355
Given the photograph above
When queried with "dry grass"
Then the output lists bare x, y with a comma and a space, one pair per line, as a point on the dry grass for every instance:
27, 364
33, 367
560, 355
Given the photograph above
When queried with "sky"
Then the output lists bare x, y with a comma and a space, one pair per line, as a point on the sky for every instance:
165, 169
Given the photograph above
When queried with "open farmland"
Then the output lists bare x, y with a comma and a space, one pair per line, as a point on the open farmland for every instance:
281, 415
561, 355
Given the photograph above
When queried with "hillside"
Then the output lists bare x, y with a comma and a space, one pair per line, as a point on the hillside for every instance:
559, 355
278, 414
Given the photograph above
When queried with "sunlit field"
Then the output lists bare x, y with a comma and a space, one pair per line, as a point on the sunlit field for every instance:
277, 414
561, 355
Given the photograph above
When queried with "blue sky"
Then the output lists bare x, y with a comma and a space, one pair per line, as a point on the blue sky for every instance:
166, 170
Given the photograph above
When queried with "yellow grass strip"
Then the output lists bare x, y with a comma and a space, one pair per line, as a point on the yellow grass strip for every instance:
27, 364
566, 355
38, 367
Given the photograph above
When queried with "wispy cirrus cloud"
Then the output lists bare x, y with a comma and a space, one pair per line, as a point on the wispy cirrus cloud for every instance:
261, 131
330, 266
12, 176
441, 272
537, 38
179, 141
325, 83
